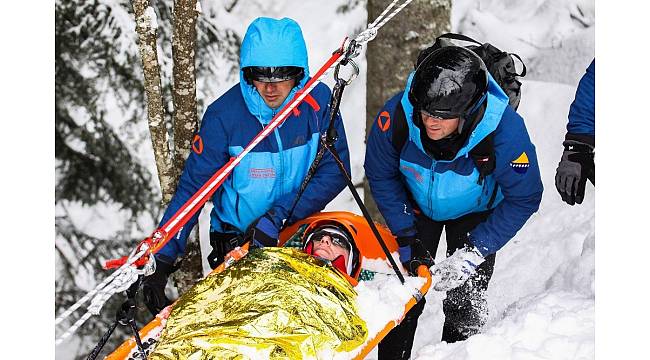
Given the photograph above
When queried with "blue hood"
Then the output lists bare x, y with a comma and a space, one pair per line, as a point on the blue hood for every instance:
497, 102
271, 42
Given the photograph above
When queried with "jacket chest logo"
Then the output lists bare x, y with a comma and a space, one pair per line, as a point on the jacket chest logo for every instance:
261, 173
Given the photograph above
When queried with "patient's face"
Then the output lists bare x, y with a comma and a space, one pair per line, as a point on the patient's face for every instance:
329, 250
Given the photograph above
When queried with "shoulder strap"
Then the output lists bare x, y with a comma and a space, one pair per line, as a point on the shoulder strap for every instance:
309, 100
400, 128
460, 37
483, 157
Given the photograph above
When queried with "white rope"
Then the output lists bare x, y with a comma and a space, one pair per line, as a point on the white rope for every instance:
381, 20
390, 6
391, 15
118, 281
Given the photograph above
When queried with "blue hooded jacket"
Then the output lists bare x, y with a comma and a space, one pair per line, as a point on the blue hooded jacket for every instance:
582, 115
444, 190
267, 178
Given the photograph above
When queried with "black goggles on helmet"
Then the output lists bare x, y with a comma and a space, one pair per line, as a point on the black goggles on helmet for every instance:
271, 74
455, 112
338, 238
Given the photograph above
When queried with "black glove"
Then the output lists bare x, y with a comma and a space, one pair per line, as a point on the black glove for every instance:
263, 232
413, 254
575, 167
153, 286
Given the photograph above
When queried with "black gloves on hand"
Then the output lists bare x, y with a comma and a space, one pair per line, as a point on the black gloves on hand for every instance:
263, 232
575, 167
153, 287
413, 254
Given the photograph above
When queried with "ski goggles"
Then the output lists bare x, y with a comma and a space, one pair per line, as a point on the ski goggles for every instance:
338, 238
271, 74
439, 115
453, 113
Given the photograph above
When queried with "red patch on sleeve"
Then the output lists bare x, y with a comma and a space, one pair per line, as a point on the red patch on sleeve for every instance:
197, 144
384, 121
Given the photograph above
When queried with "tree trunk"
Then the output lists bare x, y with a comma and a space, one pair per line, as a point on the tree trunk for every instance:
392, 54
185, 122
145, 19
183, 51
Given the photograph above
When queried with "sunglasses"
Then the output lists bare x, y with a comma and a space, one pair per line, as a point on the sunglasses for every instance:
272, 74
336, 239
439, 115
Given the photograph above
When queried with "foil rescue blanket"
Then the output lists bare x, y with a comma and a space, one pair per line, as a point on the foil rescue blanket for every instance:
275, 303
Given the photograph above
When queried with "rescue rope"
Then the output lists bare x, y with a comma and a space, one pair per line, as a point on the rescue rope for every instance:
371, 31
125, 316
118, 281
124, 275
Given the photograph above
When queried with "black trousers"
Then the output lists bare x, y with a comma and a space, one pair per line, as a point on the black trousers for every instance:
465, 307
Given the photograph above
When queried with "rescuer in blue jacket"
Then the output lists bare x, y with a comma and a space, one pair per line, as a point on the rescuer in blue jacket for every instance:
256, 198
465, 164
577, 163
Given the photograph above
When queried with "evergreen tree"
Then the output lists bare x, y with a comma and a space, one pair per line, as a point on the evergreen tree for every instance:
106, 193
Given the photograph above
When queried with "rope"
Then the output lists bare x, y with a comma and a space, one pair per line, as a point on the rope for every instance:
118, 281
371, 31
125, 316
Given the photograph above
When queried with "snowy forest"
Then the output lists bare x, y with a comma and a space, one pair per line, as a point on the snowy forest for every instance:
108, 187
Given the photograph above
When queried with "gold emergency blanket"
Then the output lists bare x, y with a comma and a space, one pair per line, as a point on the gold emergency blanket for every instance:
275, 303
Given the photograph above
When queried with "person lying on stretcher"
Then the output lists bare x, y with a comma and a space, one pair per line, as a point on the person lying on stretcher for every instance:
272, 303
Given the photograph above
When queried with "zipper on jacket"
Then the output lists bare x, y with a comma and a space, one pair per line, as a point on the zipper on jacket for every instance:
280, 174
237, 206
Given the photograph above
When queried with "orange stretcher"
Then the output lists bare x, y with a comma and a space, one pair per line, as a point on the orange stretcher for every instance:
367, 247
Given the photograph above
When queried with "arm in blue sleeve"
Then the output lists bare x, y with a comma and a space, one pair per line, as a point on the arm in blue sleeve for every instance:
582, 112
199, 167
382, 164
327, 182
522, 192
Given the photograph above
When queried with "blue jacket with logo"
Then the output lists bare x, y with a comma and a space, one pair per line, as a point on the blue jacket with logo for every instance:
444, 190
582, 112
269, 176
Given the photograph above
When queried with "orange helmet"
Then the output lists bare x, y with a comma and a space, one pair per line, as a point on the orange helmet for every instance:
363, 244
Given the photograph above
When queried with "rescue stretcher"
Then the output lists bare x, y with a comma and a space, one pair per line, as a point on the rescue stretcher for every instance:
369, 251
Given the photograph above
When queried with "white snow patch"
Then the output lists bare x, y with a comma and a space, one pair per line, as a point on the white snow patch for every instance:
381, 265
150, 15
380, 301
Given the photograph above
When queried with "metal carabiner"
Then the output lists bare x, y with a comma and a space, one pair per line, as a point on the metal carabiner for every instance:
354, 74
